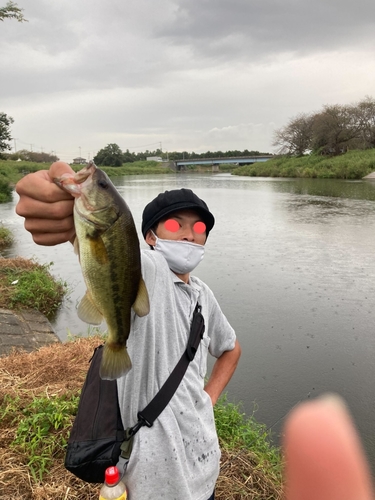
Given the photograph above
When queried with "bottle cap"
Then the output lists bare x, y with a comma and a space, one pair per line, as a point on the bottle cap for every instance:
112, 475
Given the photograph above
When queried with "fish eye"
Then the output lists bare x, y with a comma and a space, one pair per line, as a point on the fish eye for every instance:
103, 184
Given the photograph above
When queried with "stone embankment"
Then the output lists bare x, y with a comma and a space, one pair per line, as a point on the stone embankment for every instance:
27, 330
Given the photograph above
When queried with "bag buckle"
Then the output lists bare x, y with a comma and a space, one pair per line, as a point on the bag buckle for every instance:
131, 431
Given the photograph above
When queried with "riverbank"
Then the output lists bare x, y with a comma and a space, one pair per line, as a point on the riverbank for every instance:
39, 394
12, 171
351, 165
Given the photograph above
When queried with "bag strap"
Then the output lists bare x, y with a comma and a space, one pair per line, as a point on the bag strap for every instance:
149, 414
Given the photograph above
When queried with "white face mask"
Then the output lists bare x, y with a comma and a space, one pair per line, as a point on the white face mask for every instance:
182, 256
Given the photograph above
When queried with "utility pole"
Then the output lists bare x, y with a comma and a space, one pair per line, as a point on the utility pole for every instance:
15, 145
79, 151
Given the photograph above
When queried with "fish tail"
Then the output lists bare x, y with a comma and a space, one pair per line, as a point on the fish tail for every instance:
115, 362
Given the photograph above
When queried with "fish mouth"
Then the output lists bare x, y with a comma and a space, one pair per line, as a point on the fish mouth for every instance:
88, 208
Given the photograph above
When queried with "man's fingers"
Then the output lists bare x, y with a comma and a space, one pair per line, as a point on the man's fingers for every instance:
39, 185
59, 168
324, 459
35, 209
49, 225
51, 239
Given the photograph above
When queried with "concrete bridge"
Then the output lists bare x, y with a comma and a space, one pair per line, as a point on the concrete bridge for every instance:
215, 162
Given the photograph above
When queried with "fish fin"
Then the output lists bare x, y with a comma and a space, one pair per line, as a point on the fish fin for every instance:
88, 312
76, 246
115, 362
141, 305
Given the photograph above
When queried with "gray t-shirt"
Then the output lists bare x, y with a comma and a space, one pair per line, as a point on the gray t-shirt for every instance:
178, 457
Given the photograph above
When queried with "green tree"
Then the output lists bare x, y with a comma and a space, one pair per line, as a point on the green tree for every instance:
11, 11
128, 157
110, 156
5, 136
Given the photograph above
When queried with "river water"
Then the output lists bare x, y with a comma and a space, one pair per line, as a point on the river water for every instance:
292, 264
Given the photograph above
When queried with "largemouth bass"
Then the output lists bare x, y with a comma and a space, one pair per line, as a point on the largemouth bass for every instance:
108, 248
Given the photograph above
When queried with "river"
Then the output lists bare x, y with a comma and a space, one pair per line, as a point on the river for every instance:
292, 263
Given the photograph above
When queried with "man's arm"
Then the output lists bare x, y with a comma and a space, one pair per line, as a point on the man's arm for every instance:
222, 372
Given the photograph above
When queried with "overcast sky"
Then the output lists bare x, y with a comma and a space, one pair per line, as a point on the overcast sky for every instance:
192, 75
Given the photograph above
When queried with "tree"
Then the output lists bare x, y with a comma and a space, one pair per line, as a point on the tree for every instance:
24, 154
5, 136
366, 121
335, 129
295, 138
11, 11
128, 157
110, 156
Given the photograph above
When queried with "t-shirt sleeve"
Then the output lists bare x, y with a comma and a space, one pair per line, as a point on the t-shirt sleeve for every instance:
222, 336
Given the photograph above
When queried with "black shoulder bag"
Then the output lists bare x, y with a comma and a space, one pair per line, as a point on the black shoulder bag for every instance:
98, 438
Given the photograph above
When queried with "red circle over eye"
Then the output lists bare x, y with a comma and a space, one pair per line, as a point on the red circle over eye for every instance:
172, 225
199, 227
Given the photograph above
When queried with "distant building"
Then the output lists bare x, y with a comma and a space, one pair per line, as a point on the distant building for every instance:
79, 161
154, 158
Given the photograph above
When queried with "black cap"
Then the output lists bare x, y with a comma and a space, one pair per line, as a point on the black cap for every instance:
171, 201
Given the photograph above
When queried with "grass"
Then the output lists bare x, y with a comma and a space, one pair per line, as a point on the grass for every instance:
251, 467
351, 165
38, 400
137, 168
26, 284
12, 171
6, 237
43, 429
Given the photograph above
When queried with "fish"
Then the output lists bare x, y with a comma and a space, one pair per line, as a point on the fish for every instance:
108, 248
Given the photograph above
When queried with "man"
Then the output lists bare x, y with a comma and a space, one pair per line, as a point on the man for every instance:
178, 457
323, 454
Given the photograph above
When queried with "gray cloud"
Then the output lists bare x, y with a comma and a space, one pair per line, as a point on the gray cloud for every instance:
255, 29
215, 74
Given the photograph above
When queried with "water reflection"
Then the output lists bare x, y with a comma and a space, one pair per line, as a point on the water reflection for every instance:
292, 265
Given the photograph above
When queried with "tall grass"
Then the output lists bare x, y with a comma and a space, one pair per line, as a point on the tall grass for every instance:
6, 237
351, 165
237, 430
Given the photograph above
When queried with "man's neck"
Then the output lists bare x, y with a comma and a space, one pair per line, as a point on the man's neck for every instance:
183, 277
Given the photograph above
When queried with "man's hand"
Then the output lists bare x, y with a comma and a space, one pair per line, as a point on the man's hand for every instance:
48, 209
222, 372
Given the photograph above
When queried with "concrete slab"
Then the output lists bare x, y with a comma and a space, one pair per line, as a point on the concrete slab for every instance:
28, 330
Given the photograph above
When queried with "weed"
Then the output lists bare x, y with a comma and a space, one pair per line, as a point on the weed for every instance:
6, 237
237, 430
43, 430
